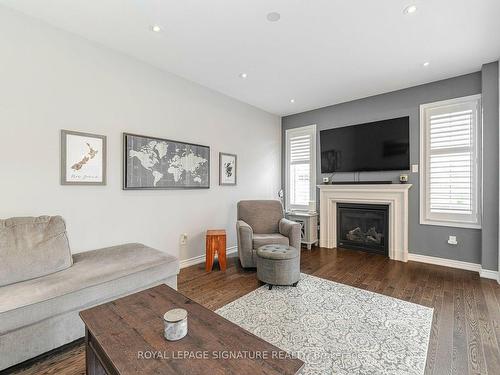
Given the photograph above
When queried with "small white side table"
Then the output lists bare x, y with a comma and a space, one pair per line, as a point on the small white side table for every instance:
309, 224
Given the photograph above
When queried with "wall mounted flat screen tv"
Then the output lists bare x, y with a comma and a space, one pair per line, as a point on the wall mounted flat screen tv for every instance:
374, 146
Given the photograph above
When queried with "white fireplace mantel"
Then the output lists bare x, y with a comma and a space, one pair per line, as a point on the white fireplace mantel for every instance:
393, 195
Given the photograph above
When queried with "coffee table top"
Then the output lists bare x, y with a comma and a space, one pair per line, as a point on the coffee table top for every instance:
130, 331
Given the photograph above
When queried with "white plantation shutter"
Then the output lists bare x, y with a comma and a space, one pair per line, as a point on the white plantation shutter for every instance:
300, 159
300, 167
450, 175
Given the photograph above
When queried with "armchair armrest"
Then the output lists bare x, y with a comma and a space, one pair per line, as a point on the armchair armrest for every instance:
291, 229
244, 232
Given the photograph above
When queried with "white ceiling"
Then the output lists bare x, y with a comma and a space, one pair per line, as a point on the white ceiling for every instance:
320, 53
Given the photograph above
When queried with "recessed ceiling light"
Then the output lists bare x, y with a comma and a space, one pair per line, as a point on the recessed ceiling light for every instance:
156, 28
410, 9
273, 16
292, 100
426, 64
243, 75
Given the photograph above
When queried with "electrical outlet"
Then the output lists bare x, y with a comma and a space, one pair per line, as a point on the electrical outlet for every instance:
414, 168
452, 240
326, 180
184, 238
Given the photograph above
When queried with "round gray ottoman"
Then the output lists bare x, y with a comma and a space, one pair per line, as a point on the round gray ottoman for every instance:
278, 265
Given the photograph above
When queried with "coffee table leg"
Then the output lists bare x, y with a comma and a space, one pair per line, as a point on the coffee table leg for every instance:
88, 355
92, 362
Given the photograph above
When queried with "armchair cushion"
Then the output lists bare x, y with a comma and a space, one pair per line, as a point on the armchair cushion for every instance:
269, 239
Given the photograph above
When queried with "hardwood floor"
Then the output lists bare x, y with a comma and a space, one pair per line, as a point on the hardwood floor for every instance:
465, 333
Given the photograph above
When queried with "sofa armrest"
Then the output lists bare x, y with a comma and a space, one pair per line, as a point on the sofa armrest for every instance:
291, 229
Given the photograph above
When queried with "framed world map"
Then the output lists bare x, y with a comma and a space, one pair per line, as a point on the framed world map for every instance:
157, 163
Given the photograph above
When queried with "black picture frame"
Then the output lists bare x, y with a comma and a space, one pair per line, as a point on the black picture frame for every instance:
126, 172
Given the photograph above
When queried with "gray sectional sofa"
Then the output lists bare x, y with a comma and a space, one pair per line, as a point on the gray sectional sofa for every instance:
43, 286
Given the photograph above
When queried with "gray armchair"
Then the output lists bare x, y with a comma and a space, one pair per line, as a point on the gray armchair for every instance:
262, 222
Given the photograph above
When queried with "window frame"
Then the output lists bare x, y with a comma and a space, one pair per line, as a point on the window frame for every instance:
443, 219
309, 130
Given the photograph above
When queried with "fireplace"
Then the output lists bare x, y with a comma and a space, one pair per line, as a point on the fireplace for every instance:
363, 227
395, 196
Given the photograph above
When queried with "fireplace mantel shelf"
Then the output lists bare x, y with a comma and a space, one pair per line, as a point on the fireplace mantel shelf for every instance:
393, 195
377, 187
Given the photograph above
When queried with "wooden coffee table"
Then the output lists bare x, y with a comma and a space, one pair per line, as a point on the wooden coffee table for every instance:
126, 337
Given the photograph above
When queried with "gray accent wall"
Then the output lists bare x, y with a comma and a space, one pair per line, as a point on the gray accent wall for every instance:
489, 235
428, 240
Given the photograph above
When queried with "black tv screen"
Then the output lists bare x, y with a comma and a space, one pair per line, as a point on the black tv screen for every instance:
374, 146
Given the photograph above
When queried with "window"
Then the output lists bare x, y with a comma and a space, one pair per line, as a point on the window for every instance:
450, 135
300, 167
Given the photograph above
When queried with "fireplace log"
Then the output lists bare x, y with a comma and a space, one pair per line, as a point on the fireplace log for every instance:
358, 235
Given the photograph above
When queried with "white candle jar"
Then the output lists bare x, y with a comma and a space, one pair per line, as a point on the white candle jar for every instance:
176, 325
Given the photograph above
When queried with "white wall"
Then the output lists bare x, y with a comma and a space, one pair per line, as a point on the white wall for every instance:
52, 80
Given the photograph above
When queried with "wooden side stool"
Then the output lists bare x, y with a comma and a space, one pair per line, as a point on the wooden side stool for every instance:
215, 242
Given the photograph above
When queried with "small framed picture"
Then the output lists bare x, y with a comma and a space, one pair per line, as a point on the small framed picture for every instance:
227, 169
83, 158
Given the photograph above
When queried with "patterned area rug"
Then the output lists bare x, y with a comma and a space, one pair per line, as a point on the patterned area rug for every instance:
336, 328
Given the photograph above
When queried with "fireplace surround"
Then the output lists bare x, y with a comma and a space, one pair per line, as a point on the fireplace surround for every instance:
395, 196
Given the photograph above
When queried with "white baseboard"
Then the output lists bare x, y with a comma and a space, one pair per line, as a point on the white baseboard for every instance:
445, 262
487, 274
201, 258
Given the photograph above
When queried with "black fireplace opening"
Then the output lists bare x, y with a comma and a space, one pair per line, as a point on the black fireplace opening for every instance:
363, 227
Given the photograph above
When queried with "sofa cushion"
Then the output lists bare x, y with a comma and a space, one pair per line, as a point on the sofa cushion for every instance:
262, 215
32, 247
268, 239
95, 277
